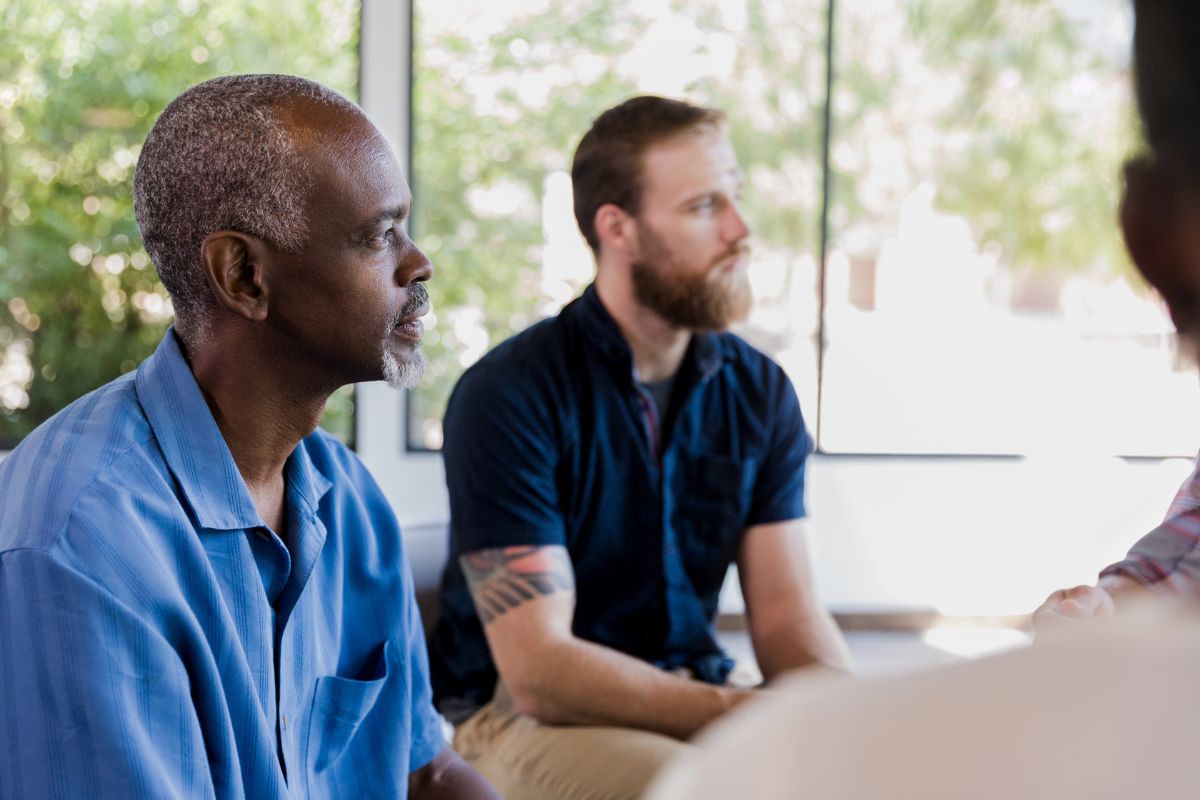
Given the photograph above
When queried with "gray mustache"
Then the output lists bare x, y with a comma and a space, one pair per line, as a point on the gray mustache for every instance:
418, 299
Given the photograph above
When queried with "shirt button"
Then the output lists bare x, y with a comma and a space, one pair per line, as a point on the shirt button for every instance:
283, 720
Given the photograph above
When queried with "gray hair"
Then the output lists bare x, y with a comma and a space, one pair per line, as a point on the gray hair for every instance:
220, 157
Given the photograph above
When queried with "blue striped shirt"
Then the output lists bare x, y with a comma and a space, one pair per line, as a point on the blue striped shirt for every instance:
146, 610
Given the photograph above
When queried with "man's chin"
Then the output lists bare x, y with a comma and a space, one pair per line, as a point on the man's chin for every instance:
404, 373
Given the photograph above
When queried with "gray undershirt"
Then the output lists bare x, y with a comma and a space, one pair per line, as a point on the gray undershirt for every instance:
660, 393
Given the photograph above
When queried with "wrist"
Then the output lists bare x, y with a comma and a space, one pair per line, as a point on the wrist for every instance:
1121, 588
731, 697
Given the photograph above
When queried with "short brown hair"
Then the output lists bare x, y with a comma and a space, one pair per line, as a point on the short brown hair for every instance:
608, 162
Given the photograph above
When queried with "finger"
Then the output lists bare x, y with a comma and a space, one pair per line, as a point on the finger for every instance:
1077, 608
1049, 605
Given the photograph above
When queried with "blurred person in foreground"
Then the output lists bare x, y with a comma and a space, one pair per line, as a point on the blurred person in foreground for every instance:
1097, 711
1097, 714
606, 467
202, 595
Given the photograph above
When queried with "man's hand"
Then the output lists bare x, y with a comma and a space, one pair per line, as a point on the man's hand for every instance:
1095, 604
1080, 603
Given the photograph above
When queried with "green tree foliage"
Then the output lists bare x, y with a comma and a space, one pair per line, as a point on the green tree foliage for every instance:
504, 106
80, 85
1017, 115
1017, 111
1044, 103
1023, 144
476, 127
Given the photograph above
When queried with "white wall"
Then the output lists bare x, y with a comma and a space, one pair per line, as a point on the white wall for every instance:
974, 537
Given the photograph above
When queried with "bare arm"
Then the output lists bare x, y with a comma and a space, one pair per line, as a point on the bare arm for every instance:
525, 597
448, 777
788, 626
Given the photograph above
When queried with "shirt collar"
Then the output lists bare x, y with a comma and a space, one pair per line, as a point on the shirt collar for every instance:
195, 450
707, 350
303, 479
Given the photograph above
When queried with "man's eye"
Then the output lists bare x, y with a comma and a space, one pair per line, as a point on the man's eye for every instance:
707, 204
383, 237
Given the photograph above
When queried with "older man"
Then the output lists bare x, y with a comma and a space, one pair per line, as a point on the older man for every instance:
201, 595
606, 466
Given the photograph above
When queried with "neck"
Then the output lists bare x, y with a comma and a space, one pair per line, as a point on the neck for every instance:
260, 410
658, 346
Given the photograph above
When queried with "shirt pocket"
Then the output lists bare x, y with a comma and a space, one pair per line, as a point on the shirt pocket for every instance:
711, 507
340, 706
712, 499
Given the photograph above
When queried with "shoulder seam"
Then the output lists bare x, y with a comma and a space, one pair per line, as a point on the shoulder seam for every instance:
91, 483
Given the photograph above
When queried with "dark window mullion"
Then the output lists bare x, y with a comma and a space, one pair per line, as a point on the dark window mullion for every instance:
823, 235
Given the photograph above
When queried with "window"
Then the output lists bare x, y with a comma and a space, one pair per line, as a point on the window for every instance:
81, 84
991, 128
502, 93
978, 295
974, 298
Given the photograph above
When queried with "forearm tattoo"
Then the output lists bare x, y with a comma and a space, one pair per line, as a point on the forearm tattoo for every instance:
503, 578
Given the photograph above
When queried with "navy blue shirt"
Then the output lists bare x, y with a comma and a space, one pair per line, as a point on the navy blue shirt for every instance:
551, 441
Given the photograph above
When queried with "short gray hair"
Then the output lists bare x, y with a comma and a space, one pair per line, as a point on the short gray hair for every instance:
220, 157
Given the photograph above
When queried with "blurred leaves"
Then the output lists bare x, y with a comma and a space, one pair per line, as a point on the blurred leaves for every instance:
1017, 111
80, 85
1008, 107
506, 104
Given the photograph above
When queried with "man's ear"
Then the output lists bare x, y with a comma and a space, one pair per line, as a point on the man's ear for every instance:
616, 230
233, 264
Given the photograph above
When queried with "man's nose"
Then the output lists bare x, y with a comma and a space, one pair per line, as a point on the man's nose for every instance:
414, 266
735, 228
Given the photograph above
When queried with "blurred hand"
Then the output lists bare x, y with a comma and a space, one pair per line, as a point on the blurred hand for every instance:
1090, 603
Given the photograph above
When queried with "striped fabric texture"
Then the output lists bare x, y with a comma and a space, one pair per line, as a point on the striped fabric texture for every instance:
1167, 559
146, 610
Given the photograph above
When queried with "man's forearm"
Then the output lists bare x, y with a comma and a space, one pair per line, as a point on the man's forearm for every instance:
801, 642
580, 683
789, 626
526, 601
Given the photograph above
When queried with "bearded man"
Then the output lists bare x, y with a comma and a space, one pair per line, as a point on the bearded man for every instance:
606, 467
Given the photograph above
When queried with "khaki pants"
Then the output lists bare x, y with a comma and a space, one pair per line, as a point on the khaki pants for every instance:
526, 760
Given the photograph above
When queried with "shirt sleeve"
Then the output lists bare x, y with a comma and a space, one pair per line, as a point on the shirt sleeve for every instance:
778, 493
93, 702
1167, 559
501, 453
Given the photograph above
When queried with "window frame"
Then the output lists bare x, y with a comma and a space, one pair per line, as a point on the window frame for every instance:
413, 480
